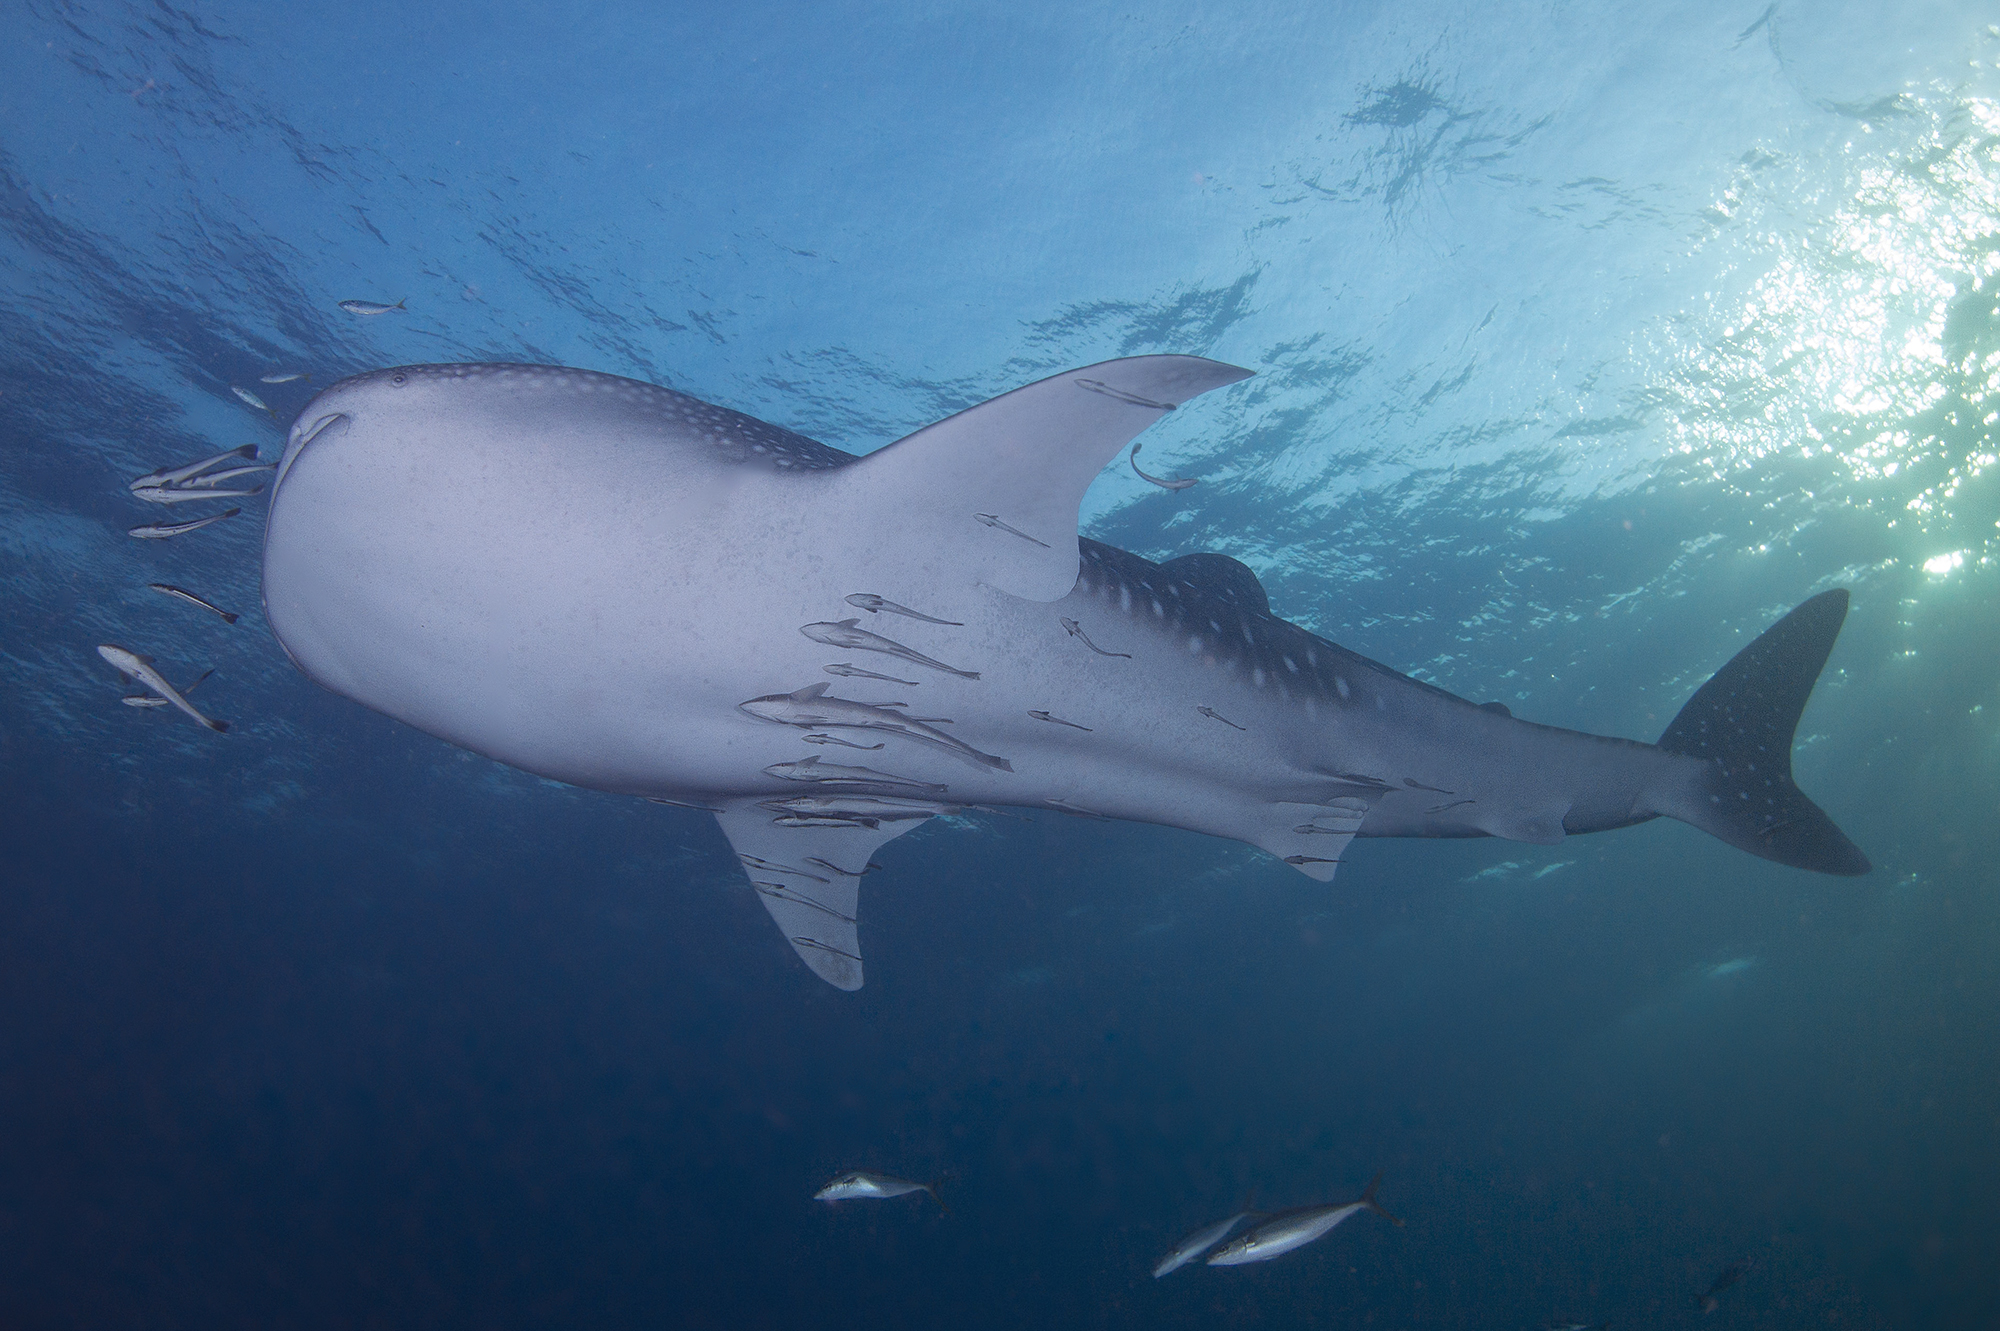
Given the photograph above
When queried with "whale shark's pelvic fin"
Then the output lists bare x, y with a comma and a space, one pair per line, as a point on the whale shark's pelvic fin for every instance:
1312, 837
991, 494
1742, 721
809, 878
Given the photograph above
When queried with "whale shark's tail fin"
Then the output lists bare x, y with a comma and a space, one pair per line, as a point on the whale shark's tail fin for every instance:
1742, 722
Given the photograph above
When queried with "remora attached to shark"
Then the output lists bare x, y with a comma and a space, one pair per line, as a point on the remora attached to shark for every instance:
625, 588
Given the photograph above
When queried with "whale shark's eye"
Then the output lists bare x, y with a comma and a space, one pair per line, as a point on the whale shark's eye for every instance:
399, 379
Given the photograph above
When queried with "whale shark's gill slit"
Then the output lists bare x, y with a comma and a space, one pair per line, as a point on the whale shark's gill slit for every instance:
993, 520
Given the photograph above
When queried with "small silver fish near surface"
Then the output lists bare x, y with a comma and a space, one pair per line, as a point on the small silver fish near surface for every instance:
182, 593
176, 474
140, 668
859, 1183
154, 700
368, 307
873, 604
1284, 1231
283, 378
160, 531
252, 399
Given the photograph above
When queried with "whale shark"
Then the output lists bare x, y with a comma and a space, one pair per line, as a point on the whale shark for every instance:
622, 587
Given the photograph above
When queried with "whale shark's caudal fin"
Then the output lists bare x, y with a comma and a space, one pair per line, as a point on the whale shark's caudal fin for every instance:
1743, 721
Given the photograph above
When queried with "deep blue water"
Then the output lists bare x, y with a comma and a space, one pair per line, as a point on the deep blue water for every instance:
1588, 339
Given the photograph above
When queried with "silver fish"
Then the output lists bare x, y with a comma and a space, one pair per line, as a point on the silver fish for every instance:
215, 478
283, 378
846, 634
846, 671
810, 709
872, 603
815, 769
1180, 483
141, 669
185, 494
1286, 1230
252, 399
1199, 1242
860, 1183
1075, 630
1056, 721
159, 531
367, 307
168, 589
175, 475
151, 700
993, 520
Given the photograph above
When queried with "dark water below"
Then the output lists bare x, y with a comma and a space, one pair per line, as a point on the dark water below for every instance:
1588, 344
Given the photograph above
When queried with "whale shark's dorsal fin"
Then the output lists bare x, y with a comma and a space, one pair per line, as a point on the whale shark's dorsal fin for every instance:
993, 492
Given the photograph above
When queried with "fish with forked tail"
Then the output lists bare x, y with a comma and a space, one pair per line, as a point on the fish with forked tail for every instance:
845, 633
810, 709
859, 1183
140, 668
1283, 1231
160, 531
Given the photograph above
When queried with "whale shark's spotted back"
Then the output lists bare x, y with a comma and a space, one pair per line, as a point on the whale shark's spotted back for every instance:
733, 436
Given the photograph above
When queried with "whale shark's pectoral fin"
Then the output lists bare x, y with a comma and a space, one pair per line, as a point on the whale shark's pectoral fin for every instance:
991, 494
809, 878
1312, 837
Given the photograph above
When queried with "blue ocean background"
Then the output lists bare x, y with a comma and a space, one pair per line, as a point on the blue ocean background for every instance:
1589, 340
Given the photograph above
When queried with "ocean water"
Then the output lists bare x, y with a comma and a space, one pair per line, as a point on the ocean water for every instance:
1588, 339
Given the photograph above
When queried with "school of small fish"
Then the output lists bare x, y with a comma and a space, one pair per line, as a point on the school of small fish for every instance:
223, 476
